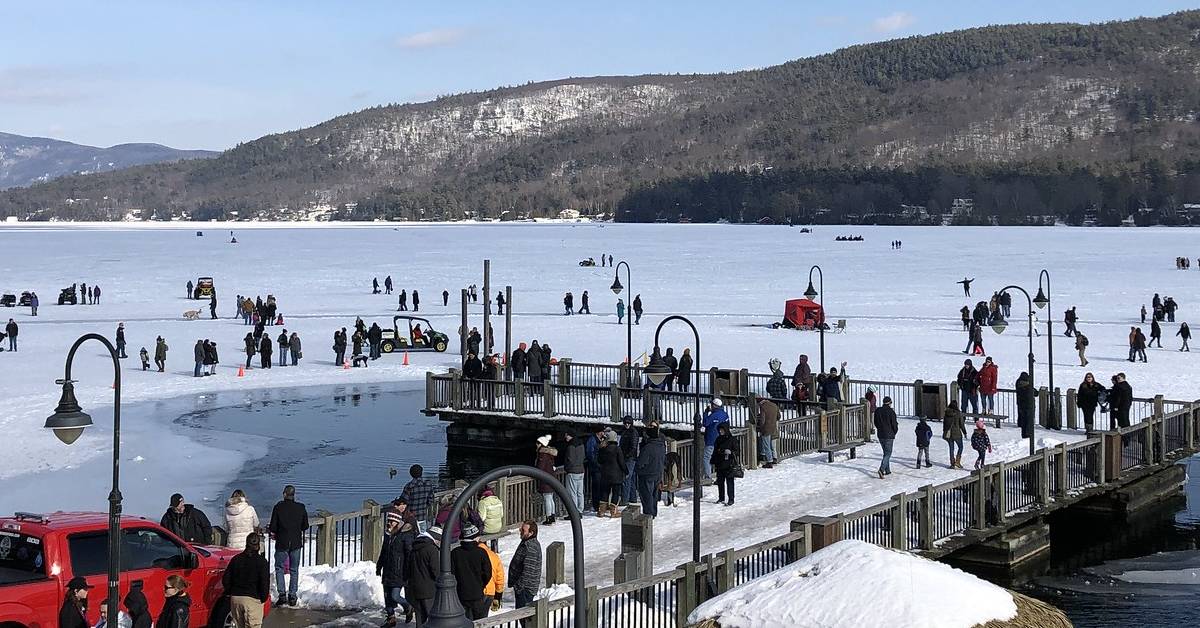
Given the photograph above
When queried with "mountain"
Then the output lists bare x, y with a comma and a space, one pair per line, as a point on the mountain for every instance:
1118, 100
28, 160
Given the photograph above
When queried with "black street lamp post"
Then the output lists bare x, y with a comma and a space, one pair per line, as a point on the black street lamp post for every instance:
617, 288
1041, 301
811, 294
659, 371
999, 326
68, 423
447, 611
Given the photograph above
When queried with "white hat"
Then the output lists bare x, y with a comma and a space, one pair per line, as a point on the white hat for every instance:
717, 402
544, 441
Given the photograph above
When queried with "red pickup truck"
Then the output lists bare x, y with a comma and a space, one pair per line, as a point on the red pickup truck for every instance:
39, 554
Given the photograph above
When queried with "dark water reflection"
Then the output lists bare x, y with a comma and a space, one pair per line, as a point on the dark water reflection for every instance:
1163, 544
337, 445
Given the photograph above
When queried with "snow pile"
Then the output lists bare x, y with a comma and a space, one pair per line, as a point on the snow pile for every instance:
852, 583
555, 592
349, 586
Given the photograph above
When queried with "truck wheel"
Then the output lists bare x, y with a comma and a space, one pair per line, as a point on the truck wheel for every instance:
387, 346
440, 346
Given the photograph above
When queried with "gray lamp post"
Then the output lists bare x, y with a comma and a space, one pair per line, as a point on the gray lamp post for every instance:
657, 372
999, 326
447, 611
617, 288
68, 423
1041, 301
811, 294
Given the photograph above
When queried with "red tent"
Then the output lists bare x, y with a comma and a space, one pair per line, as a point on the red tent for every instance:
803, 314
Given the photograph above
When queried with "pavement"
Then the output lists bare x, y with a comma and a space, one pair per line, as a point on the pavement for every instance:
300, 617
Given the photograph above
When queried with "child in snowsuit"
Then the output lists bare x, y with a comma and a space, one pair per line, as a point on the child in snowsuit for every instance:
145, 356
924, 434
980, 443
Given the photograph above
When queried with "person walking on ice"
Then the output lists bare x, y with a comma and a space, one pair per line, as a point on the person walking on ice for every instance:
1185, 333
966, 284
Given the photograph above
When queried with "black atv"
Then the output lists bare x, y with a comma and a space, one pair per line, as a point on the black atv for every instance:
67, 296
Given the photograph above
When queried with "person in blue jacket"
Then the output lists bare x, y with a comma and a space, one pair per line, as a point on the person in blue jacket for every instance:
714, 416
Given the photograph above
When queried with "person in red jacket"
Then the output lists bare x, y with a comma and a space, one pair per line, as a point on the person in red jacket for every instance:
989, 376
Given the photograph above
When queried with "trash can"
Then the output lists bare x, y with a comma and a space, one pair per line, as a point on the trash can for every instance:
933, 401
727, 382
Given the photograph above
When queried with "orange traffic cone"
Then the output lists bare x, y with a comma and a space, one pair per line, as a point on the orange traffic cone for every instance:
346, 365
405, 363
241, 371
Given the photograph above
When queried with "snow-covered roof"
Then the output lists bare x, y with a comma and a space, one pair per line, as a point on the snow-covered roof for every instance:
853, 583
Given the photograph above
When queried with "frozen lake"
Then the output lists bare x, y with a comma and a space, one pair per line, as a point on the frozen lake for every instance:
901, 308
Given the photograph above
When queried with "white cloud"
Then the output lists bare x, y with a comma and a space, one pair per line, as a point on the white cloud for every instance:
899, 20
433, 38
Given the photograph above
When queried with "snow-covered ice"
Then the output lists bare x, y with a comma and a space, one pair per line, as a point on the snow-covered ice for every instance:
901, 307
852, 583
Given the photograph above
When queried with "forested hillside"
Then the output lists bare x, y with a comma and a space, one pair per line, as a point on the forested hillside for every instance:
1010, 113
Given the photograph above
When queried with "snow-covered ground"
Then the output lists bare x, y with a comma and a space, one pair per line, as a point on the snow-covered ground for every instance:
901, 307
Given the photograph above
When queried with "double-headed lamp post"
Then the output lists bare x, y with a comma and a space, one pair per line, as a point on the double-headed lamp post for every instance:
658, 371
811, 294
1041, 301
68, 423
617, 288
447, 611
998, 326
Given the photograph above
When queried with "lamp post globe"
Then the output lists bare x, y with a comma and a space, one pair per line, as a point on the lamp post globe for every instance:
658, 372
1040, 300
68, 420
810, 293
616, 286
999, 325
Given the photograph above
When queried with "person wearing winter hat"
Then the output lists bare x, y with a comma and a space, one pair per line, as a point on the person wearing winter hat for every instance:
393, 564
240, 520
714, 416
73, 613
423, 570
473, 570
492, 511
546, 456
980, 443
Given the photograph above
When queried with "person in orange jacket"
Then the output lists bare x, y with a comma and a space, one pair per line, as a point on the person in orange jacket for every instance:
495, 586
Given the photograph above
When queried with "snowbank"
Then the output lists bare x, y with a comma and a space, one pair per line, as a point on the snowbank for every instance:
852, 583
349, 586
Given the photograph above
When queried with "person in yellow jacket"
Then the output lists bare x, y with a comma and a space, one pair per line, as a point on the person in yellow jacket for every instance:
491, 509
495, 586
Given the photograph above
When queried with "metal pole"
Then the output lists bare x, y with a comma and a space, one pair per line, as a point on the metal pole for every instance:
508, 330
114, 496
1054, 415
820, 295
697, 443
1029, 302
446, 607
628, 322
487, 308
462, 336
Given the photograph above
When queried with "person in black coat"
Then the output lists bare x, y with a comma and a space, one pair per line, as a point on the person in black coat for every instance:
1026, 404
473, 569
73, 613
673, 364
250, 347
138, 609
533, 362
283, 347
424, 567
683, 373
649, 469
724, 460
264, 351
1120, 399
612, 471
177, 609
545, 362
518, 361
247, 582
289, 520
1087, 398
392, 564
416, 301
187, 522
886, 429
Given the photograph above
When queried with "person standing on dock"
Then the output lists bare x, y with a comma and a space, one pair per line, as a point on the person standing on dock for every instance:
714, 416
418, 493
650, 464
574, 465
525, 568
886, 428
954, 430
1120, 399
546, 455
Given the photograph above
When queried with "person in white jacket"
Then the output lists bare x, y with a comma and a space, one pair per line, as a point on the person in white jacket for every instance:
240, 519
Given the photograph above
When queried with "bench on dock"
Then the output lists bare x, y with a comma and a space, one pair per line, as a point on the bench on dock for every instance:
979, 415
832, 449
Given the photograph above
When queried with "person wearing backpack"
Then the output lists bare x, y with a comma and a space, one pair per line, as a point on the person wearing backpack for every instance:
924, 434
1081, 343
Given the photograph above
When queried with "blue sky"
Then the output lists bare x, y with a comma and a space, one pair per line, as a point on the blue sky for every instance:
211, 74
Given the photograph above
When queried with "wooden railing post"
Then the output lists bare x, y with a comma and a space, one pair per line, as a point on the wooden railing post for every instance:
555, 571
501, 488
752, 434
1102, 460
1072, 410
564, 371
1044, 478
541, 616
954, 393
1162, 440
1060, 471
843, 425
548, 400
926, 521
822, 430
593, 607
372, 533
429, 396
803, 547
326, 539
1112, 455
980, 497
455, 390
647, 404
518, 388
1158, 407
919, 398
1148, 440
1043, 406
614, 396
725, 573
998, 488
685, 596
1055, 409
900, 523
1189, 428
825, 531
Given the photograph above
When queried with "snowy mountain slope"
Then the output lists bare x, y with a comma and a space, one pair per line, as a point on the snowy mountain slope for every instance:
29, 160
